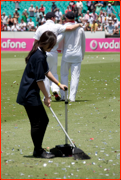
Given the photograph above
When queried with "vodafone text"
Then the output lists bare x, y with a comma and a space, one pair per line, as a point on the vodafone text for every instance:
11, 44
106, 45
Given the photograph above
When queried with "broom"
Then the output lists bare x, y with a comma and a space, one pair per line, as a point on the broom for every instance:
77, 153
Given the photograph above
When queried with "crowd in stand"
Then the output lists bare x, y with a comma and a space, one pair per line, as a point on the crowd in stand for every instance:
94, 20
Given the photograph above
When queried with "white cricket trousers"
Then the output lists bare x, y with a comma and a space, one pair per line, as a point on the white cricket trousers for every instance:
75, 74
52, 60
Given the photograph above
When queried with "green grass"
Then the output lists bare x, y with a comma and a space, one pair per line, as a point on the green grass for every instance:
95, 114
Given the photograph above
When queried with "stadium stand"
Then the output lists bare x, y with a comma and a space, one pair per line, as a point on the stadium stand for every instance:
9, 8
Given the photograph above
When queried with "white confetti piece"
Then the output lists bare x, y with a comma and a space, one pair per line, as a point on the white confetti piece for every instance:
118, 156
21, 174
44, 164
101, 150
64, 169
68, 166
93, 163
84, 162
95, 153
50, 161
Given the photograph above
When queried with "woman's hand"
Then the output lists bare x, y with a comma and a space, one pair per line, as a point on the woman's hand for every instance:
62, 86
47, 102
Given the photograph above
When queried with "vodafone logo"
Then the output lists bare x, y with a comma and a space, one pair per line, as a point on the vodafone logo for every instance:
104, 45
12, 44
93, 45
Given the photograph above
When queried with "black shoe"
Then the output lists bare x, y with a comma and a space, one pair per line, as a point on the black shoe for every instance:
47, 155
57, 97
43, 154
62, 99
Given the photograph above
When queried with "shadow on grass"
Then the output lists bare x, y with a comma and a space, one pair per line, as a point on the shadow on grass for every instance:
30, 156
70, 101
82, 100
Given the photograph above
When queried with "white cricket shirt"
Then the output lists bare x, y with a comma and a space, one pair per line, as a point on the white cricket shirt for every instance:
49, 26
73, 44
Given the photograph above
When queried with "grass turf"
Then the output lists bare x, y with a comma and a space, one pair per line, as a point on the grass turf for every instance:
93, 123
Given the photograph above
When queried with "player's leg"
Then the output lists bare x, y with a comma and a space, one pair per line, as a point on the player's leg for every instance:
75, 74
54, 87
52, 63
47, 81
64, 76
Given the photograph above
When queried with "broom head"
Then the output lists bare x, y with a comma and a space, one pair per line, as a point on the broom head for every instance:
79, 154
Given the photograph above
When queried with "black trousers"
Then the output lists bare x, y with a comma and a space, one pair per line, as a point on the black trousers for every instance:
39, 121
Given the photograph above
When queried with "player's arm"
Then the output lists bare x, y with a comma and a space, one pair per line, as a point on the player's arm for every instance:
83, 44
60, 37
37, 35
53, 79
72, 27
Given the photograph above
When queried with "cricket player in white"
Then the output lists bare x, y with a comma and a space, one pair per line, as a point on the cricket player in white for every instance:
52, 56
73, 54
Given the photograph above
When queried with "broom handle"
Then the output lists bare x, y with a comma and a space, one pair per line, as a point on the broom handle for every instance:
66, 116
62, 127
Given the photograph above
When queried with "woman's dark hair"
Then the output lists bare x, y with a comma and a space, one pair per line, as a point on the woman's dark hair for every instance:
48, 37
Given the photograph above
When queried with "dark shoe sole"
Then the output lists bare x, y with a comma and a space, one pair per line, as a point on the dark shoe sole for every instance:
62, 99
43, 155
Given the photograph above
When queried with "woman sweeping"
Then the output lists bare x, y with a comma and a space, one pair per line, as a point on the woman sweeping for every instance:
30, 86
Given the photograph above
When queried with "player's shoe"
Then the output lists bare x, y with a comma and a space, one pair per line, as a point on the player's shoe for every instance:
62, 99
57, 97
71, 100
